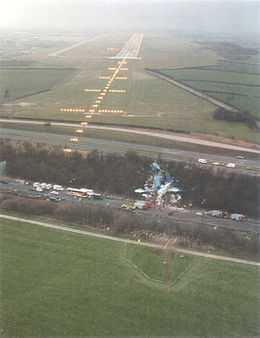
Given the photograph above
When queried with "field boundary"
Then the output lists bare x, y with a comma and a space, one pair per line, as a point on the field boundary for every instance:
207, 67
129, 241
191, 90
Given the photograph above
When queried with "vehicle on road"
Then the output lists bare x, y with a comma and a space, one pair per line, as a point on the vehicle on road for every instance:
143, 205
237, 217
53, 192
202, 161
198, 213
95, 196
58, 187
54, 198
230, 165
74, 139
215, 213
128, 207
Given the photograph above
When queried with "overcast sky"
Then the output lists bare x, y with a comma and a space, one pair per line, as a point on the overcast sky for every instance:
188, 15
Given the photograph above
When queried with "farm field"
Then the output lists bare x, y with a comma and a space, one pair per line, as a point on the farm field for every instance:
237, 84
60, 284
18, 82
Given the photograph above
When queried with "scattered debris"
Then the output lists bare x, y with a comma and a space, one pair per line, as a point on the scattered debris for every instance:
159, 189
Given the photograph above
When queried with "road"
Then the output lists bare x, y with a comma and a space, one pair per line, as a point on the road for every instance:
110, 146
139, 131
129, 241
187, 217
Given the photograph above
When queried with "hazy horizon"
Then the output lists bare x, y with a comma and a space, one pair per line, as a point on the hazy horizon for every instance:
194, 16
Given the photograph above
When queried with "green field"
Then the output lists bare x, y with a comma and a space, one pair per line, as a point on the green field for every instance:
61, 284
234, 83
238, 67
21, 82
149, 102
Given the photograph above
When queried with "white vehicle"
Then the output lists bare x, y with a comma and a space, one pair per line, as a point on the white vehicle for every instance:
215, 213
139, 205
54, 192
241, 157
84, 124
198, 213
230, 165
94, 196
202, 160
58, 187
83, 192
237, 217
74, 139
38, 189
216, 163
36, 184
48, 186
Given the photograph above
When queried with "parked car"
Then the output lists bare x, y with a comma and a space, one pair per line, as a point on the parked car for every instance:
198, 213
54, 193
54, 198
143, 205
215, 213
237, 217
128, 207
58, 187
202, 160
95, 196
230, 165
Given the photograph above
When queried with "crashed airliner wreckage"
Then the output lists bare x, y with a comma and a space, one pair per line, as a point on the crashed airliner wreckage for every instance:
160, 187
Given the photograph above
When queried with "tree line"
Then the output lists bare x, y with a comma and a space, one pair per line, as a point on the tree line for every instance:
118, 222
121, 174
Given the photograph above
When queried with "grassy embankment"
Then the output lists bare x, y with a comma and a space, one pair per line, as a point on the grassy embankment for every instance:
56, 283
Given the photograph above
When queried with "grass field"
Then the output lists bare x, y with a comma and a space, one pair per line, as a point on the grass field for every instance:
60, 284
20, 82
149, 102
234, 83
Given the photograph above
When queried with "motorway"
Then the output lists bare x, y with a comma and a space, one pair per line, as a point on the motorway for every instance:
186, 217
249, 166
171, 136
